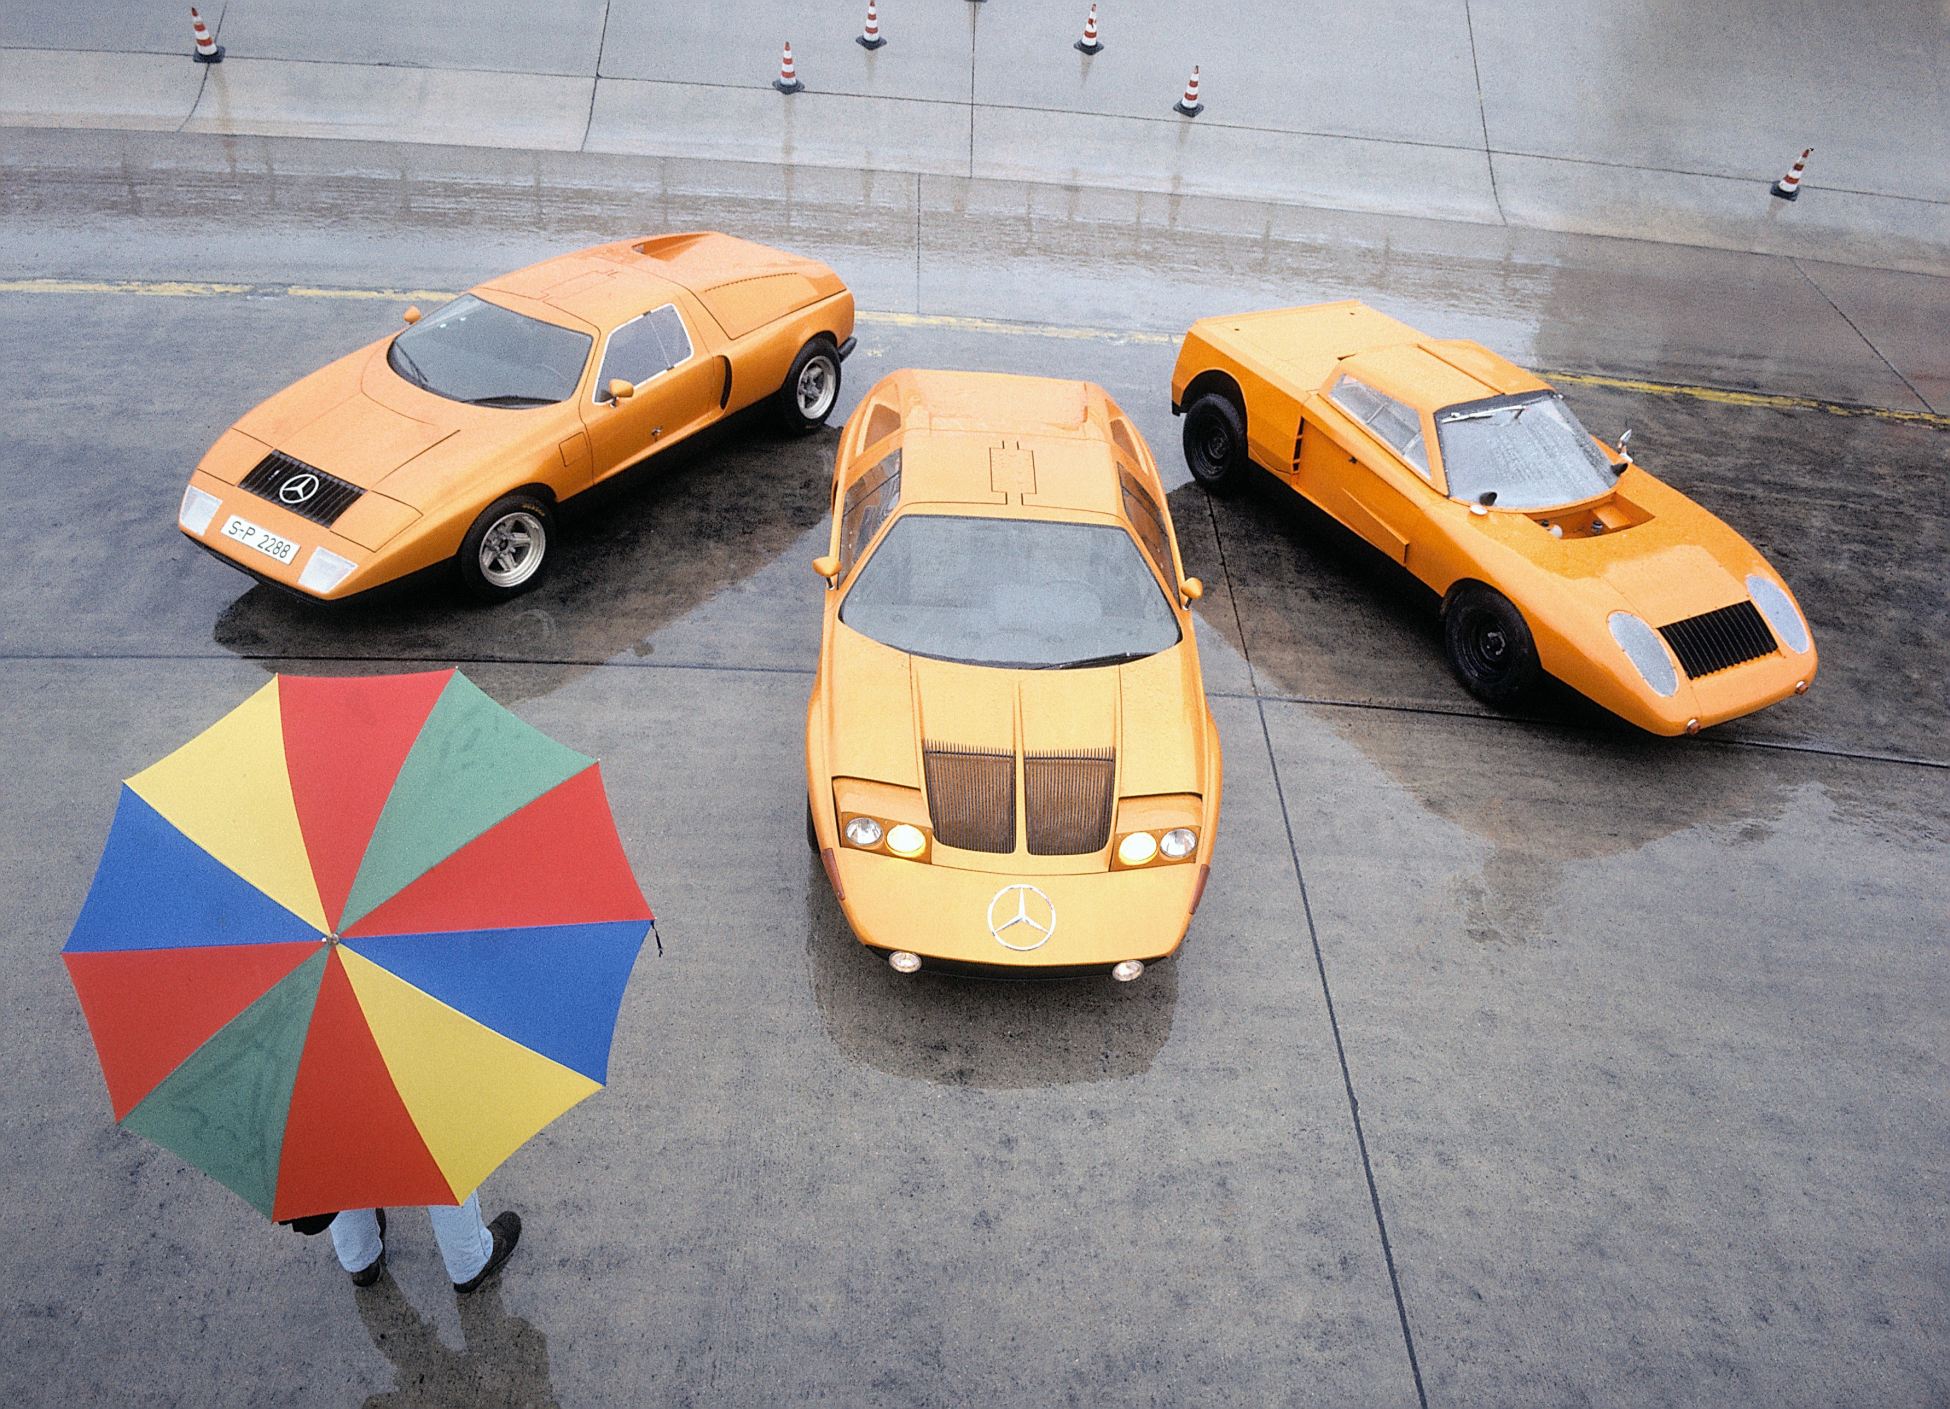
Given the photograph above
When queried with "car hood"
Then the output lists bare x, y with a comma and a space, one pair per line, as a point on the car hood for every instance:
885, 707
332, 423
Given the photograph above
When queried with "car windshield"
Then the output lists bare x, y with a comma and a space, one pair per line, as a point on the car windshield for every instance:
1025, 593
1528, 451
486, 355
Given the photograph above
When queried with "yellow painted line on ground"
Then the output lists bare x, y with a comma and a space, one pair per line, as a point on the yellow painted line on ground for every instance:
994, 327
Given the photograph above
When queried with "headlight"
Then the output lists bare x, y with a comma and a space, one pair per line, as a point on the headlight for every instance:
1178, 843
1778, 608
904, 839
1644, 648
198, 509
863, 831
324, 571
1137, 848
1127, 970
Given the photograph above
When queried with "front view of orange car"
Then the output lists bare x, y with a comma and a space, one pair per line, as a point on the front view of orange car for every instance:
1011, 767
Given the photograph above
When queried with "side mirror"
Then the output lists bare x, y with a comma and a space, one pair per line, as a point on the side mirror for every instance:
620, 390
1624, 440
1192, 588
412, 314
827, 567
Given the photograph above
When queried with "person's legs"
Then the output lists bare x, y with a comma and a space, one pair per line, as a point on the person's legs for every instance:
355, 1238
465, 1242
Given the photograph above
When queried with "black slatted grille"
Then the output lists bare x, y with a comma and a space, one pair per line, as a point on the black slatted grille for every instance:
971, 796
1720, 639
1068, 797
308, 492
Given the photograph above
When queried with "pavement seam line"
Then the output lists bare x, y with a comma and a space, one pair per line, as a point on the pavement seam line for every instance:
1866, 341
1780, 401
1340, 1052
595, 80
1482, 116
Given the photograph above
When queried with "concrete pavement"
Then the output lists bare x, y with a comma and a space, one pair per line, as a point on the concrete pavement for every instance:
1512, 1060
1655, 123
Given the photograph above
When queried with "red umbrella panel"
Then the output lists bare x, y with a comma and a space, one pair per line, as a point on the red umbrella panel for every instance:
357, 942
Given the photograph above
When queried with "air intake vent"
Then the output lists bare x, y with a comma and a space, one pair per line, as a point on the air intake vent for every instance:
1719, 640
307, 492
1069, 800
971, 797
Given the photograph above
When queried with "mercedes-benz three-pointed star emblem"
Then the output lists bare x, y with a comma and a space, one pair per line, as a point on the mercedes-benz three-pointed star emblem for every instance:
299, 488
1021, 918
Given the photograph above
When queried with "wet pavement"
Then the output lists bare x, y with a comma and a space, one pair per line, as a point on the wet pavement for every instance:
1510, 1060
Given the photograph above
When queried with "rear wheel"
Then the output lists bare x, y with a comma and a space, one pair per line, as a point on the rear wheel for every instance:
811, 388
506, 551
1490, 646
1215, 442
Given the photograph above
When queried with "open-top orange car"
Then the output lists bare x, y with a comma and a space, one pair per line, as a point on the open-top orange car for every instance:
1010, 764
454, 440
1552, 552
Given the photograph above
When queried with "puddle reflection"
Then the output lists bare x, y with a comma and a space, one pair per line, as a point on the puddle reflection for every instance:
504, 1360
972, 1032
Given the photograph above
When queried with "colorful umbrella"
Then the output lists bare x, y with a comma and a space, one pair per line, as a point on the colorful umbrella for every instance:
357, 942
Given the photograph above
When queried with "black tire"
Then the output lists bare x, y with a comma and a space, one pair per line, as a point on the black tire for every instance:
811, 388
812, 833
1215, 442
1490, 647
506, 552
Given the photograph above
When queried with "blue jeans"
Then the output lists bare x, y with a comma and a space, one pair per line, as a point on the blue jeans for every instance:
465, 1242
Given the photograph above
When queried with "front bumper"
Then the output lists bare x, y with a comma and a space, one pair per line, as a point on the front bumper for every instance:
1713, 699
371, 568
942, 914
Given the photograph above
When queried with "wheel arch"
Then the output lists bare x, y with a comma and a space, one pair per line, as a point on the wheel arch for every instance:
1214, 379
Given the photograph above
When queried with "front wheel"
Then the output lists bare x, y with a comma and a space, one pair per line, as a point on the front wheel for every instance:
811, 388
1490, 646
506, 550
1215, 442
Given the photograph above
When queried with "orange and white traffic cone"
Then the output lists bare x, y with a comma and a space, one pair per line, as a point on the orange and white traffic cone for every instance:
207, 50
788, 79
1789, 186
1189, 105
869, 38
1089, 44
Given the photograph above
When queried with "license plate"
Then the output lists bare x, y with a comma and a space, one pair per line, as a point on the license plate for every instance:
266, 542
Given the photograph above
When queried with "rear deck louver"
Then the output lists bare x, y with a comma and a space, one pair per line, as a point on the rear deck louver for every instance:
1069, 797
971, 796
1720, 639
308, 492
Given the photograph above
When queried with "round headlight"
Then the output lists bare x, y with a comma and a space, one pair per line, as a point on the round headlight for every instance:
904, 962
1127, 970
1646, 651
863, 831
905, 840
1778, 608
1137, 848
1178, 843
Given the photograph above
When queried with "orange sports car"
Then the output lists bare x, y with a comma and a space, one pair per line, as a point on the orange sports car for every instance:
1010, 765
1553, 553
454, 440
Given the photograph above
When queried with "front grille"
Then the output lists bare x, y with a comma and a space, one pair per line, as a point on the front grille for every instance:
1068, 797
971, 796
308, 492
1719, 640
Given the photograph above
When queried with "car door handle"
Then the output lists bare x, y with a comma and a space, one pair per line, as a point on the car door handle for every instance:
656, 431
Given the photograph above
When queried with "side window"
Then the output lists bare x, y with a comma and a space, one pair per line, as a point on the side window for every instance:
869, 500
1400, 426
882, 422
644, 348
1147, 521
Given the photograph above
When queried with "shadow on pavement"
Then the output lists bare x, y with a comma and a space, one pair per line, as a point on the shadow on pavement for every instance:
970, 1032
504, 1362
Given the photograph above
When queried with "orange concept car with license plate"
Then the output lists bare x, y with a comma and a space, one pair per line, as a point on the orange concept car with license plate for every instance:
1010, 764
1552, 552
455, 440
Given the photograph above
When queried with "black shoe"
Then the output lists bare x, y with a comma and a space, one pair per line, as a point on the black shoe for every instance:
506, 1229
369, 1274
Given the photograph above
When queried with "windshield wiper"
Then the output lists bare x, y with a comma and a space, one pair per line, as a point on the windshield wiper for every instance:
509, 399
1114, 658
413, 372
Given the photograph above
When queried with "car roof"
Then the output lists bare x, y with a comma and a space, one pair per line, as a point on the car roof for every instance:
1430, 375
998, 439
